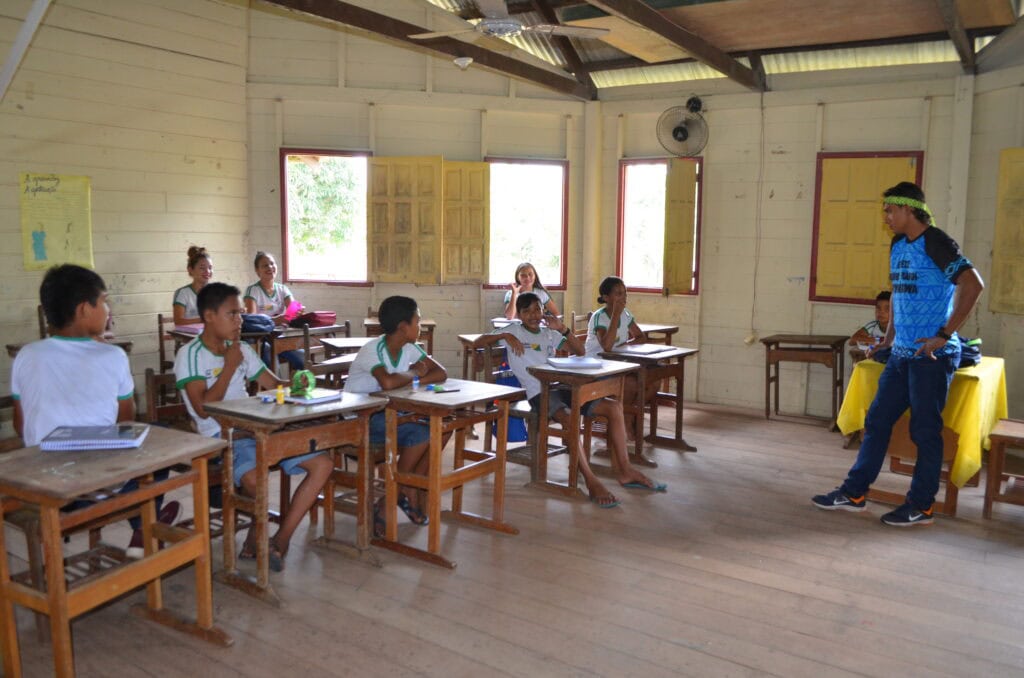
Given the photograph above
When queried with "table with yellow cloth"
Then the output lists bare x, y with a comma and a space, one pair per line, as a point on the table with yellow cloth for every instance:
977, 400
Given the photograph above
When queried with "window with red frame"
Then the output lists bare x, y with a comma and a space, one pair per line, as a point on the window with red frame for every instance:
658, 247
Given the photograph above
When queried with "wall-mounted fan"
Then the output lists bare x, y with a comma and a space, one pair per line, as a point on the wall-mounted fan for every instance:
497, 23
682, 130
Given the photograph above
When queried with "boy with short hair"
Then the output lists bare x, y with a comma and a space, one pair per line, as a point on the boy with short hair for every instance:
216, 366
69, 378
874, 331
530, 343
393, 361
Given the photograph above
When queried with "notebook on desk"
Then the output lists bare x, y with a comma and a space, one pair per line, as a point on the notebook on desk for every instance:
74, 438
315, 397
575, 362
642, 349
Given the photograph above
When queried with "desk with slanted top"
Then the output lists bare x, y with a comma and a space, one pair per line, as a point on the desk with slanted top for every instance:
427, 327
336, 346
51, 480
286, 431
658, 363
658, 334
824, 349
586, 385
448, 411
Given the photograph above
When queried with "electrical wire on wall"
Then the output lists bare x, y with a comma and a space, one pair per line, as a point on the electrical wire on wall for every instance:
752, 336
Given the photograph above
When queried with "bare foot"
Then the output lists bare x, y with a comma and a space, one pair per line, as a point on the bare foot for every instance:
600, 495
634, 476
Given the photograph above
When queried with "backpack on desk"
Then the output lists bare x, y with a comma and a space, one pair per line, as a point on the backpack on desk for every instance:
315, 319
257, 322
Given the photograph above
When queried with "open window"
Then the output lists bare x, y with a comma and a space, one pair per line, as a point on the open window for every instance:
323, 216
528, 219
659, 224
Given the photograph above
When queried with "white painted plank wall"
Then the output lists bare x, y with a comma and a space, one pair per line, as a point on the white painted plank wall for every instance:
148, 99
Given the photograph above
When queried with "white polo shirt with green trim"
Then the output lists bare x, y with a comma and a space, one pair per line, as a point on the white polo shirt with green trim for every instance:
373, 354
195, 361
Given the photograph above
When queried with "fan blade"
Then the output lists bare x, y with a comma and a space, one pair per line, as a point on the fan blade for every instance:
568, 31
441, 34
493, 9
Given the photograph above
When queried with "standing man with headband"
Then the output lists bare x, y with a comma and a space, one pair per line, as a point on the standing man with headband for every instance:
934, 288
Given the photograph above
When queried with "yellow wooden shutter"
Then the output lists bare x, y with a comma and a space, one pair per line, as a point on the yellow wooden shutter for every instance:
852, 259
680, 225
1007, 287
404, 213
467, 198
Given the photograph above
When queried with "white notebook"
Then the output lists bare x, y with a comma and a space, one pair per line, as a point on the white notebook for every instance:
316, 396
575, 362
115, 437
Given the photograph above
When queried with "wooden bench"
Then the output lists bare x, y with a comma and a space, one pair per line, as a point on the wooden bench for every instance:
1008, 433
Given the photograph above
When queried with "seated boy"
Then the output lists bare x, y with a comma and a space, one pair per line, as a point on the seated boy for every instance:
530, 344
393, 361
874, 331
215, 366
70, 379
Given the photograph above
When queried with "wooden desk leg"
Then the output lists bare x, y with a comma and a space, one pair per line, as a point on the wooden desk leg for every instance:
767, 382
460, 458
434, 486
994, 481
574, 439
260, 522
8, 625
391, 475
229, 514
540, 445
498, 513
56, 593
154, 590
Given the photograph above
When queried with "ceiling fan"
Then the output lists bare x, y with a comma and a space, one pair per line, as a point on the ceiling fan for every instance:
497, 23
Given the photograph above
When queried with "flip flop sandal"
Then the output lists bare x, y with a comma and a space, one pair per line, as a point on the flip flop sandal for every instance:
414, 514
276, 558
248, 551
379, 524
656, 487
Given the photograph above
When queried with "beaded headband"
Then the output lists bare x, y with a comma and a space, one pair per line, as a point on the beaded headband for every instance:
909, 202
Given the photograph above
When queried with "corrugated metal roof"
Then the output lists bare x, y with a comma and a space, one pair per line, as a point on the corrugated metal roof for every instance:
650, 75
860, 57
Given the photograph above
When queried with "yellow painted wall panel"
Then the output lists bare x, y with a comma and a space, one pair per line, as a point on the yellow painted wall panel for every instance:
1007, 290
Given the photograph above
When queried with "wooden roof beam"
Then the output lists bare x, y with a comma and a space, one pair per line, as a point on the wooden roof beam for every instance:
955, 27
644, 15
1004, 50
518, 7
572, 57
395, 29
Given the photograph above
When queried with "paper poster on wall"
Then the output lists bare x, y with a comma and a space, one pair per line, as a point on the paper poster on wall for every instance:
56, 220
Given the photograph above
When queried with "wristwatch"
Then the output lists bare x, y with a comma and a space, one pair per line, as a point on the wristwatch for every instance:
944, 334
566, 333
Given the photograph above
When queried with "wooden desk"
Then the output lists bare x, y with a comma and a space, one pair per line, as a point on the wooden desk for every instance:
125, 344
335, 346
182, 337
824, 349
655, 367
427, 327
658, 334
448, 412
285, 338
286, 431
51, 480
1007, 433
586, 385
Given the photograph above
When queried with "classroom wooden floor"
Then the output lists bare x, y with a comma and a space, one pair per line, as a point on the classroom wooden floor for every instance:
731, 573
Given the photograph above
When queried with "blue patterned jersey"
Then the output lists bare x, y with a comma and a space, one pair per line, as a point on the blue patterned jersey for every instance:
923, 273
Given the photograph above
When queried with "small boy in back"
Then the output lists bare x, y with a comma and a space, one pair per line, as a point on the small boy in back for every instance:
874, 331
216, 366
530, 344
392, 361
70, 378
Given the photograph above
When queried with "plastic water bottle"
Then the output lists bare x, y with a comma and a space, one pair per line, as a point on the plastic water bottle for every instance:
280, 394
415, 382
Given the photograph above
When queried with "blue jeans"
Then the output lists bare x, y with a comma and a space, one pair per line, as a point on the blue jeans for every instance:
130, 486
921, 384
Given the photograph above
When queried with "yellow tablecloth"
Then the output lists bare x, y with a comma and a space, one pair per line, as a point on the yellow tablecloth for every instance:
977, 400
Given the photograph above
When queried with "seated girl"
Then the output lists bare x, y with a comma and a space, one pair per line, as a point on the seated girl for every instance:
273, 299
527, 280
612, 326
200, 269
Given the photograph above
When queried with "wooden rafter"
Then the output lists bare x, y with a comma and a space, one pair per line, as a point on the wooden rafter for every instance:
395, 29
1006, 48
572, 57
644, 15
955, 27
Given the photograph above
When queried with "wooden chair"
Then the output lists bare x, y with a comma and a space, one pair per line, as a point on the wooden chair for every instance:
163, 324
313, 349
1005, 463
44, 327
333, 373
903, 450
579, 324
172, 413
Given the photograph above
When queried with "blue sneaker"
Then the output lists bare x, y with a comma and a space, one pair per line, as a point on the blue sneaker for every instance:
837, 500
908, 516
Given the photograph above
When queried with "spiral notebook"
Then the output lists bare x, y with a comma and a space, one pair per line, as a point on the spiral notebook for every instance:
577, 362
74, 438
316, 396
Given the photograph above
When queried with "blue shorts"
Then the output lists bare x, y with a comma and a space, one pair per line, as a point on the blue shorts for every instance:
245, 460
409, 434
562, 400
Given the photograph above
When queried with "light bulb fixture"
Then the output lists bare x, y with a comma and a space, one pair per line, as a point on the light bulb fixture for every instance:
462, 62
